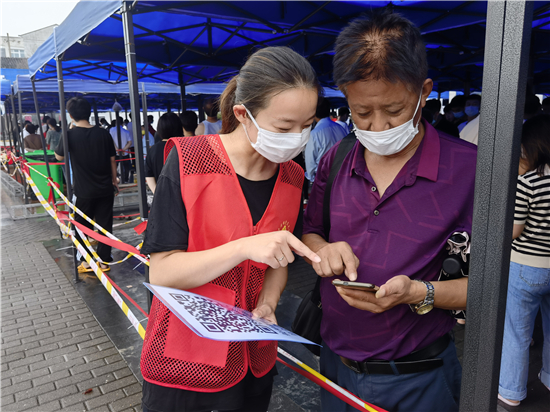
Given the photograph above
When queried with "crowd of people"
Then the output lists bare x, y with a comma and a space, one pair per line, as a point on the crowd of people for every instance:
224, 188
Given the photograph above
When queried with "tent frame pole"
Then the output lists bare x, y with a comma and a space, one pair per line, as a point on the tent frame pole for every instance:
16, 130
129, 47
65, 137
145, 119
37, 110
20, 115
504, 84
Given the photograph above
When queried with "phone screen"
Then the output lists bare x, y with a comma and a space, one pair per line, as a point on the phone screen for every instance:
355, 285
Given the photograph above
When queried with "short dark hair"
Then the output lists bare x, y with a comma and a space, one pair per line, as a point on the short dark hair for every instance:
45, 119
546, 101
380, 46
31, 128
475, 97
189, 121
532, 104
150, 118
79, 108
169, 126
267, 72
535, 141
211, 107
433, 105
343, 111
458, 101
323, 108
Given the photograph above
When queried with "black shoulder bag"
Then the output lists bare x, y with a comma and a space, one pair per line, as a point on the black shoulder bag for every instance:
307, 322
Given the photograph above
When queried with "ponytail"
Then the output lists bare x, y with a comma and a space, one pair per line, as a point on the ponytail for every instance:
227, 101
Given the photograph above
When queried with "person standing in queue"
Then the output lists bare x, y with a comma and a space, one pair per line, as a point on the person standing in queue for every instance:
401, 192
169, 126
224, 223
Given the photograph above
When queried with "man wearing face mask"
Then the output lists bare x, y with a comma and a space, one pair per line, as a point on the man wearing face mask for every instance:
400, 193
469, 130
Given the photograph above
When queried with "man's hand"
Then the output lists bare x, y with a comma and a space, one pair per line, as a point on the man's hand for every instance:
396, 291
336, 258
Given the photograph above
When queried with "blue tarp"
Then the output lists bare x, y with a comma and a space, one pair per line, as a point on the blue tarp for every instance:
206, 41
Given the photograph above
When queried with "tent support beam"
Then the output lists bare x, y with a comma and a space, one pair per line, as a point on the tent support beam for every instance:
504, 85
65, 137
145, 119
182, 92
129, 47
35, 98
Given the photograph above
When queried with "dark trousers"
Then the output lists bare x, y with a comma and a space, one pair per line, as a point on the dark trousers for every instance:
99, 209
437, 390
125, 167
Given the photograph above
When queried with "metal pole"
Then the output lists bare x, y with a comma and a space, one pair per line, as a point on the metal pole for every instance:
20, 114
145, 119
40, 127
64, 130
504, 81
129, 46
96, 115
17, 133
201, 109
183, 102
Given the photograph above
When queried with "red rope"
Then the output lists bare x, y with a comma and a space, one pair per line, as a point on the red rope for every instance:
123, 216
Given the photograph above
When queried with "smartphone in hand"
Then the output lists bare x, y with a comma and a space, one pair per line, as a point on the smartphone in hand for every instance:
355, 285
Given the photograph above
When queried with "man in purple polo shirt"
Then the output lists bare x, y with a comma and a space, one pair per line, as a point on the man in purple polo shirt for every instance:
401, 192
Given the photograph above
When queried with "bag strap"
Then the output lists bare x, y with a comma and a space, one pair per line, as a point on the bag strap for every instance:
344, 148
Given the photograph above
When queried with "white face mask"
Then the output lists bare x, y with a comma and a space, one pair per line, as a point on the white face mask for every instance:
389, 141
278, 147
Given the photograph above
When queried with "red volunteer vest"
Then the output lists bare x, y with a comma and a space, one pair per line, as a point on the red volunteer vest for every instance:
217, 213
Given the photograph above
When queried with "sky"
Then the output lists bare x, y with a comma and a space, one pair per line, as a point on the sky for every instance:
21, 16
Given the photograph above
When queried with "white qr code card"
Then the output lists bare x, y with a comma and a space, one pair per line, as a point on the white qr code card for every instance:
215, 320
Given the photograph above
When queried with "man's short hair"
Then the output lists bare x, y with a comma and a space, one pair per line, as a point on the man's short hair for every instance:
532, 104
323, 108
211, 107
380, 46
189, 121
343, 111
79, 108
150, 118
45, 119
472, 97
433, 105
458, 101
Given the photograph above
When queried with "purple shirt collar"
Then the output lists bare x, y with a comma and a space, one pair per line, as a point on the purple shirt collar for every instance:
424, 163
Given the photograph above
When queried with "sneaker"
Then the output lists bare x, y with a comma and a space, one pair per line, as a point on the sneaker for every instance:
508, 402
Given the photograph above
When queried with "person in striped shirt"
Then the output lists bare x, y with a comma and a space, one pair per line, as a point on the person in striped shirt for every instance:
529, 281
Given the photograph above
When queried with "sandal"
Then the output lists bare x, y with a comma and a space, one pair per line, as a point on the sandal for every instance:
508, 401
88, 269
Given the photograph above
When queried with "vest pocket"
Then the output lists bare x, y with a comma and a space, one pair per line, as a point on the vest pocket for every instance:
185, 345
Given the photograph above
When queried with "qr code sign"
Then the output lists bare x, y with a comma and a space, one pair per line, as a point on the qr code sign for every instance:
215, 318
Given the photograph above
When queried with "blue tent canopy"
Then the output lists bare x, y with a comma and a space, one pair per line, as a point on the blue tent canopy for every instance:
160, 96
190, 42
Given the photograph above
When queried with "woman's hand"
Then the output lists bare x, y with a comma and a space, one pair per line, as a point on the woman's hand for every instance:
275, 249
265, 311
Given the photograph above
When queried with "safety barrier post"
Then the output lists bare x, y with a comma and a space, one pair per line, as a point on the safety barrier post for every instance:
64, 130
504, 86
129, 47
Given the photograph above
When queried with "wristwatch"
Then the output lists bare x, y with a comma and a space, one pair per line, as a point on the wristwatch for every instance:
427, 304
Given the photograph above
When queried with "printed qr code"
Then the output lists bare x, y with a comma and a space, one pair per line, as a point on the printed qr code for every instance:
217, 319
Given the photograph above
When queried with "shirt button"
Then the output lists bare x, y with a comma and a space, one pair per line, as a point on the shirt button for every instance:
376, 213
373, 189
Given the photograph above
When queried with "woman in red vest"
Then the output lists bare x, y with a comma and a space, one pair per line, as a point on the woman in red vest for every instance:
224, 224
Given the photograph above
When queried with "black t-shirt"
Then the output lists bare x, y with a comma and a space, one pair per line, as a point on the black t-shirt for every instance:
167, 227
167, 230
90, 151
155, 160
